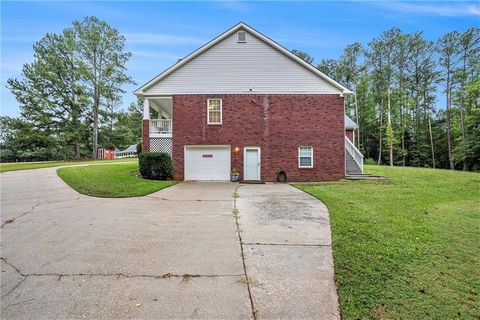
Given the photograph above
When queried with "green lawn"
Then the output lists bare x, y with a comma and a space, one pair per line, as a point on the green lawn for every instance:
110, 181
408, 247
4, 167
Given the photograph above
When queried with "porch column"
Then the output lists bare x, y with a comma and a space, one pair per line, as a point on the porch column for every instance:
146, 126
146, 109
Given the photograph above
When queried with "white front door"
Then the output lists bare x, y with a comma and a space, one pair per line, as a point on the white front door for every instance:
207, 162
251, 163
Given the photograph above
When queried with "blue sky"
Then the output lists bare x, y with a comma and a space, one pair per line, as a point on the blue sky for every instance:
160, 32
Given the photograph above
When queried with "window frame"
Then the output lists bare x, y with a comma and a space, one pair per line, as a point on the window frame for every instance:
238, 36
311, 157
208, 112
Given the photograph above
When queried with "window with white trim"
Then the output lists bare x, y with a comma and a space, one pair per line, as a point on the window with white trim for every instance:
241, 36
305, 157
214, 112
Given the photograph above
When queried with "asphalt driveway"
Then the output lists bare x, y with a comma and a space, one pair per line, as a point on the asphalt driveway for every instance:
194, 250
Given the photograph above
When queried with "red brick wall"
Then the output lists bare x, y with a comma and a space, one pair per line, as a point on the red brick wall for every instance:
279, 124
145, 135
349, 134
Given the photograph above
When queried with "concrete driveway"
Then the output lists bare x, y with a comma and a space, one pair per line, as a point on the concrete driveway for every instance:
176, 253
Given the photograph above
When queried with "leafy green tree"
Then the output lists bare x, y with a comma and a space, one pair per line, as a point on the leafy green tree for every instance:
50, 92
469, 59
347, 71
329, 67
123, 129
102, 59
468, 150
448, 50
24, 141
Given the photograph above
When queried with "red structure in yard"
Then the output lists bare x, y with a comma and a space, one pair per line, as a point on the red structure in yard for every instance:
105, 153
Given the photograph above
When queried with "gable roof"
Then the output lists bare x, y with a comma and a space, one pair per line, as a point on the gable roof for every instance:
241, 25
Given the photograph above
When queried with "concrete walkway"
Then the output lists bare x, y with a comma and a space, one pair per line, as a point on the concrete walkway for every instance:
173, 254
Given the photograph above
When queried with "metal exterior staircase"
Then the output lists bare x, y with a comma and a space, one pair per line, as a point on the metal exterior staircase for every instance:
353, 159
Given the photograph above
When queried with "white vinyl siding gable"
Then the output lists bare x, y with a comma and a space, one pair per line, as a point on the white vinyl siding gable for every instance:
249, 67
214, 111
305, 157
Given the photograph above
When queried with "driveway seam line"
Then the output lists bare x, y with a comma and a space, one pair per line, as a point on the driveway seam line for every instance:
235, 216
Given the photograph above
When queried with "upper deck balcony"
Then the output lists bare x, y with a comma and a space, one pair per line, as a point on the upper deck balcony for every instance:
159, 111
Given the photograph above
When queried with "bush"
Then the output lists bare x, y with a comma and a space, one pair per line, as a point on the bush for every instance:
155, 165
369, 161
139, 148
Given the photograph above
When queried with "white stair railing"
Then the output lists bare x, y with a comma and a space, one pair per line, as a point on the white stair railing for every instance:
354, 152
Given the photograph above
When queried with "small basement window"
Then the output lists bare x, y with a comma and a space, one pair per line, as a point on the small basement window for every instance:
305, 157
241, 36
214, 111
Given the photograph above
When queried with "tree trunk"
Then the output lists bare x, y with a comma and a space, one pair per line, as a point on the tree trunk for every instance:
449, 127
380, 135
403, 147
389, 114
96, 104
401, 119
95, 129
462, 117
431, 141
77, 150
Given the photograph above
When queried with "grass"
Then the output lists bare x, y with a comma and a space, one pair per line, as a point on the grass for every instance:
408, 247
4, 167
110, 181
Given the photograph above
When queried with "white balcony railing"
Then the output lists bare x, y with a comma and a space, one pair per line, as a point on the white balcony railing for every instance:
354, 152
161, 126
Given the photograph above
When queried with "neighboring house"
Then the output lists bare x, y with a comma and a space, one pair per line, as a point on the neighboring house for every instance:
130, 152
244, 102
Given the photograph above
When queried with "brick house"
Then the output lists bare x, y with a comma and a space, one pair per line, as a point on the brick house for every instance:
244, 102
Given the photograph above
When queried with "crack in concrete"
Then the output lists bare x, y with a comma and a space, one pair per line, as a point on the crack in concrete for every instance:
126, 275
119, 274
20, 302
12, 220
185, 277
247, 280
286, 244
17, 271
12, 265
181, 200
15, 287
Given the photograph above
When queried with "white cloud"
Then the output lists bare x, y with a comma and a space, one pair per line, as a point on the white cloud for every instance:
156, 38
451, 10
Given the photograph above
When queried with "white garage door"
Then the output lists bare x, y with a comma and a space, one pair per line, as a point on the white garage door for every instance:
207, 163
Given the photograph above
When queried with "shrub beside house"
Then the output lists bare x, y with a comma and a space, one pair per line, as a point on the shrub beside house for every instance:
155, 165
